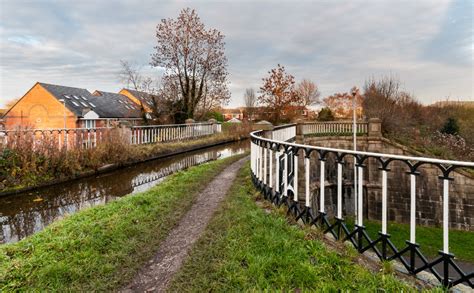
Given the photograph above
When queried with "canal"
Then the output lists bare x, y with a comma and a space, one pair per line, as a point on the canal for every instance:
26, 213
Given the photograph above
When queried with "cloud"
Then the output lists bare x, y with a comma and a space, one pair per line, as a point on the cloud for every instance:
337, 45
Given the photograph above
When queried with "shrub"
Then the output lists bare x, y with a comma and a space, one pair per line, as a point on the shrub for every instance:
450, 126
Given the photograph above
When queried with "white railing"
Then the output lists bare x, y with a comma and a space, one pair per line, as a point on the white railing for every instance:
91, 137
334, 128
274, 167
172, 132
284, 132
59, 138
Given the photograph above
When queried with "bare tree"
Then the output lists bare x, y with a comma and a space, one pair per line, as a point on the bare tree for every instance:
195, 55
308, 92
278, 92
251, 102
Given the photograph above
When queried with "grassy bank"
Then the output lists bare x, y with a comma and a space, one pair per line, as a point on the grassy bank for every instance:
246, 248
429, 238
101, 248
22, 167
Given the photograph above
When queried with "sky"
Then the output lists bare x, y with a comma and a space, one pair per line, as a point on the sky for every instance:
427, 45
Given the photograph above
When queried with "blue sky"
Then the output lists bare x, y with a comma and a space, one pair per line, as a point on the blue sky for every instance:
428, 45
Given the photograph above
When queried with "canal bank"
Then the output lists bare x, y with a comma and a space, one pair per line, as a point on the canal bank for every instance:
165, 150
101, 248
29, 212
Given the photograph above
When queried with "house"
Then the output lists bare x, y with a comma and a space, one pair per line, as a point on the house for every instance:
229, 113
145, 100
47, 106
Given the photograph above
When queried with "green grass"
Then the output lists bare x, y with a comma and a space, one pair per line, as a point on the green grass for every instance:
101, 248
429, 238
247, 249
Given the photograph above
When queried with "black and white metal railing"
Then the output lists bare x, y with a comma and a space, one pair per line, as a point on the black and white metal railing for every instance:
274, 166
171, 132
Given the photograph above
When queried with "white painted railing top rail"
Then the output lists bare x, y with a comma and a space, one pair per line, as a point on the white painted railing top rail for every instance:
171, 132
284, 132
274, 165
334, 127
91, 137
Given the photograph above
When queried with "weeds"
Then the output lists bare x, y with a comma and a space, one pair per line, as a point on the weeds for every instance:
24, 162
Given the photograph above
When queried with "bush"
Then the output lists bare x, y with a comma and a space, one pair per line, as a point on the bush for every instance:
325, 115
450, 126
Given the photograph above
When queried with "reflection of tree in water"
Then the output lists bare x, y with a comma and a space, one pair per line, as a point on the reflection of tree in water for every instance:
21, 216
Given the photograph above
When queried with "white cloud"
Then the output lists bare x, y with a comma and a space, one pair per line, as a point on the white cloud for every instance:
338, 45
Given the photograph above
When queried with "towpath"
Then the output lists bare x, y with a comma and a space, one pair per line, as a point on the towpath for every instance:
159, 271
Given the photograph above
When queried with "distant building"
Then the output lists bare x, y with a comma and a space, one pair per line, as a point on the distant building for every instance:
54, 106
237, 113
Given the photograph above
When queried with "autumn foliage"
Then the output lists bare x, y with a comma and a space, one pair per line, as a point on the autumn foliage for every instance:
278, 93
341, 105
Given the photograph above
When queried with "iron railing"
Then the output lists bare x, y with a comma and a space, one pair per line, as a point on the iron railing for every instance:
274, 165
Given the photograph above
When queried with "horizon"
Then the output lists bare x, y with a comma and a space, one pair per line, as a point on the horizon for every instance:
427, 46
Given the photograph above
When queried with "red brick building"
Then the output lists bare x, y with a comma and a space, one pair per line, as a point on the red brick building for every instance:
47, 106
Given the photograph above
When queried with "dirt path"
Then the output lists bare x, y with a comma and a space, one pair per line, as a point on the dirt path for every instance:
159, 271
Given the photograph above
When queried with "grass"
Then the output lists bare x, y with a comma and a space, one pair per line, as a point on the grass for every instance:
101, 248
247, 249
429, 238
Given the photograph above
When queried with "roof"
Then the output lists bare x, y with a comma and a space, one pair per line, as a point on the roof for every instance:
145, 98
234, 120
117, 105
77, 100
106, 105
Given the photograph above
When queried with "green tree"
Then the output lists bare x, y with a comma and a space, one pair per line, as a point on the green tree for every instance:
215, 115
450, 126
325, 115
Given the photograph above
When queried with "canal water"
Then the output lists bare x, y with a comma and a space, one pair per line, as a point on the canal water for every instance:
26, 213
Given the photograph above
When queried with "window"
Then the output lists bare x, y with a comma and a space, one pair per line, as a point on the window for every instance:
84, 98
75, 97
67, 97
75, 104
120, 101
84, 104
90, 124
92, 105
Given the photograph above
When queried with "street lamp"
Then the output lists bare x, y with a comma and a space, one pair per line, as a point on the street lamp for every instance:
354, 136
64, 117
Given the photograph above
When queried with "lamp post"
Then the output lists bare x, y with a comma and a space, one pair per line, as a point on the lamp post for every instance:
64, 117
354, 137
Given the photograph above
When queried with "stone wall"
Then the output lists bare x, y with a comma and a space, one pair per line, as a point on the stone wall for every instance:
429, 186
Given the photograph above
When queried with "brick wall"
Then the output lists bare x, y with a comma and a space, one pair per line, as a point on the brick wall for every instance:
39, 109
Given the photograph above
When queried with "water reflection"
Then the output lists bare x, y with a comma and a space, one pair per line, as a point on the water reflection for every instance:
24, 214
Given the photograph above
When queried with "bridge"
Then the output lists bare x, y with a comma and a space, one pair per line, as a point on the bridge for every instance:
278, 154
